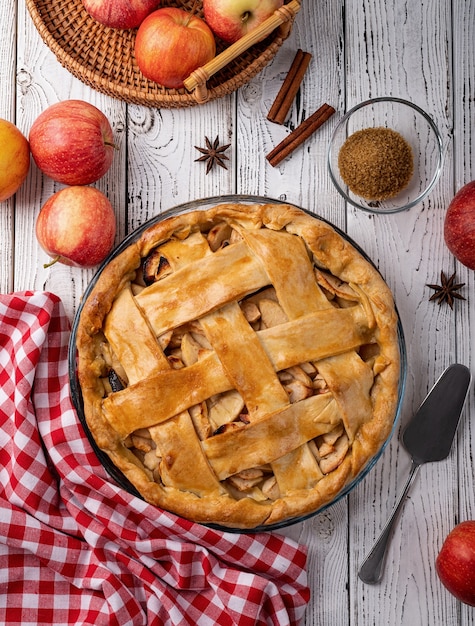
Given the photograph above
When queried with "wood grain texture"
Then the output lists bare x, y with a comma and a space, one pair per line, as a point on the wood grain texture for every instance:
464, 170
419, 51
7, 112
302, 178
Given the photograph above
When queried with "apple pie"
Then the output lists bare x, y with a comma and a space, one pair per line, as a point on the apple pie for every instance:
239, 364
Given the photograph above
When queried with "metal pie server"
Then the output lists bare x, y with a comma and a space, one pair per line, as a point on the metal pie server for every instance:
428, 437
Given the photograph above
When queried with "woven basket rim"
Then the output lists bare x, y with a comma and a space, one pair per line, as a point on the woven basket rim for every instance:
68, 53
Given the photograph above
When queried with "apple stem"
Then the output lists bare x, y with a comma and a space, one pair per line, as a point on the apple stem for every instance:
52, 262
109, 143
192, 11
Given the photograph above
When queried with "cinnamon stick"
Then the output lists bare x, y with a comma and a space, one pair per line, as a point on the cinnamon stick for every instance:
290, 86
300, 134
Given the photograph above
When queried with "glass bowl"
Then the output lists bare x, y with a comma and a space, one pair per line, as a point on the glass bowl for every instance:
419, 131
75, 388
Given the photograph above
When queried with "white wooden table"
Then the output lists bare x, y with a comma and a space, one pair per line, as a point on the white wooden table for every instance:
421, 51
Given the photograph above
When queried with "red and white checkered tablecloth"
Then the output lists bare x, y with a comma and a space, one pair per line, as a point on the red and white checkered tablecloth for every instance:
77, 549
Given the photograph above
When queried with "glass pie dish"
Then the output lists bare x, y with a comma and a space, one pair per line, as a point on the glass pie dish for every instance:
223, 372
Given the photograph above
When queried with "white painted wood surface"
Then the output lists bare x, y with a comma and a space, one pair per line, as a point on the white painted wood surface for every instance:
422, 51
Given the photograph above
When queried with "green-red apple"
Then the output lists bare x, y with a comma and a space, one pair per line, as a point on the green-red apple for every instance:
72, 142
232, 19
123, 14
76, 226
170, 44
14, 159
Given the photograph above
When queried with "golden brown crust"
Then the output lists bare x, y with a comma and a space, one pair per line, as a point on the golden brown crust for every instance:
260, 368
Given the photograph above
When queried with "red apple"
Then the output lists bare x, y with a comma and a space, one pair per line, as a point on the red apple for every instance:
231, 19
459, 227
120, 13
76, 226
455, 563
72, 142
170, 44
14, 159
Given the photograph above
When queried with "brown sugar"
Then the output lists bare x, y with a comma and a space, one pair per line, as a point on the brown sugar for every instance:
376, 163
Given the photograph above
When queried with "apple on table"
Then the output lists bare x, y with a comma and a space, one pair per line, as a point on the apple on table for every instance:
232, 19
72, 142
14, 159
170, 44
121, 14
455, 563
76, 226
459, 225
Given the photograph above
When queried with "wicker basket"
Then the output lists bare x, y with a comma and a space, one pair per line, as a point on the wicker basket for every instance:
103, 57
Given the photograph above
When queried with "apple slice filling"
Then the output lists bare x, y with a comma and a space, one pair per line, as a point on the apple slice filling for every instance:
226, 412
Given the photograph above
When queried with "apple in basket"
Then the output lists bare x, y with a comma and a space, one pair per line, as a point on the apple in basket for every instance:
459, 225
72, 142
232, 19
170, 44
14, 159
455, 563
122, 14
76, 226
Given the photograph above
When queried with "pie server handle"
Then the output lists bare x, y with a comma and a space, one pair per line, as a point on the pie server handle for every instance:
371, 570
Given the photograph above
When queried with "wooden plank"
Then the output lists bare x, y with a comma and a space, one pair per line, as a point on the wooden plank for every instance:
303, 179
405, 52
162, 171
7, 112
464, 171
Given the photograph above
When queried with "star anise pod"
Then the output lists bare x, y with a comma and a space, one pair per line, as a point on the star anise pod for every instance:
447, 290
213, 154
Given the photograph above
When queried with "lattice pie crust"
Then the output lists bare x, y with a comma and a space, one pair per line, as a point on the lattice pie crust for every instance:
239, 364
